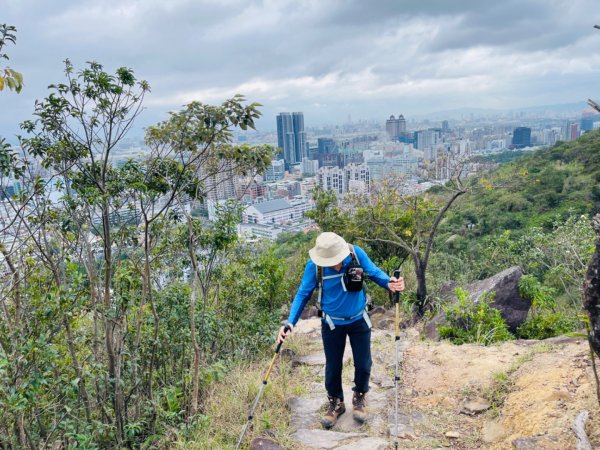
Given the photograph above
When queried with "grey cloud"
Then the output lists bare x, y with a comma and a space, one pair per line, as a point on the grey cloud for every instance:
518, 25
186, 45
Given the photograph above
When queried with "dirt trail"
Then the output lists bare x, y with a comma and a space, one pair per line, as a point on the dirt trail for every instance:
522, 394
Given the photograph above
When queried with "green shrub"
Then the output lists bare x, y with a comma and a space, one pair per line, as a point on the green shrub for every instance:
545, 325
474, 322
541, 297
544, 321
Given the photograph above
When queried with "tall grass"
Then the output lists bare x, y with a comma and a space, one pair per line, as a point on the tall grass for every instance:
227, 403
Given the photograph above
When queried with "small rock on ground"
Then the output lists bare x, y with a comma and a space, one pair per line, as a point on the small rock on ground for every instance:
475, 406
264, 444
537, 443
452, 434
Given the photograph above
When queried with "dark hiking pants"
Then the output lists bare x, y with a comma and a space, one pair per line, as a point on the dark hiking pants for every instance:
334, 343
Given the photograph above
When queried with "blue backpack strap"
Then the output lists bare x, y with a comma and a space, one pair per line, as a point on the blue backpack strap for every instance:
319, 288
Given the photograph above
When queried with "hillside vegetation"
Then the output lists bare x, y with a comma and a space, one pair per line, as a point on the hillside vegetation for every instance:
534, 211
535, 190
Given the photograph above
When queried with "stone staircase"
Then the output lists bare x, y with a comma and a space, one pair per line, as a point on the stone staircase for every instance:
378, 433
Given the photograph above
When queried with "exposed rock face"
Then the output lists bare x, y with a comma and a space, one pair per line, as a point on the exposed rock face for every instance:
591, 290
507, 299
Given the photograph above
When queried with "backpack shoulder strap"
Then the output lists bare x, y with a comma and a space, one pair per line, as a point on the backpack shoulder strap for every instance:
353, 254
319, 288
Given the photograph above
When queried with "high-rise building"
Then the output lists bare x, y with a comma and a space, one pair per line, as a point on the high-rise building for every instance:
327, 152
310, 167
291, 137
426, 140
220, 184
357, 178
395, 127
326, 145
521, 137
300, 144
275, 171
401, 124
331, 179
588, 117
573, 131
353, 178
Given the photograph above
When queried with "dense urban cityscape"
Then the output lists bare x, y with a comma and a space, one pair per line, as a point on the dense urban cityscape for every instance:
356, 156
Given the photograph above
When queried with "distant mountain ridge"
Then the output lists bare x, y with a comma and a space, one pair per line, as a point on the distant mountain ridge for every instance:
575, 108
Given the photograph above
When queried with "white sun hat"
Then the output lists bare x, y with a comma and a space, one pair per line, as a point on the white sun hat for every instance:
329, 250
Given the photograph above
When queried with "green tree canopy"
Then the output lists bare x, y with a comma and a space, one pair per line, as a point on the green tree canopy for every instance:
9, 77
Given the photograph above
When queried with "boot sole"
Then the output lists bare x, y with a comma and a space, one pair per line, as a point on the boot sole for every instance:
327, 425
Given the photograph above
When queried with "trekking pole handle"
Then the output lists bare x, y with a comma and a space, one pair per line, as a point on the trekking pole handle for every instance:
285, 330
396, 296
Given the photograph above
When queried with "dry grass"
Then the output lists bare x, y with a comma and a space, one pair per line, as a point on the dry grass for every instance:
227, 406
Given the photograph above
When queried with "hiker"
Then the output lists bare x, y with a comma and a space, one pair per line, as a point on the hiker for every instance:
333, 268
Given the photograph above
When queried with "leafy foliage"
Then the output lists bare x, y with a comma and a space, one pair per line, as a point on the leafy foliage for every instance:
544, 321
9, 77
547, 324
541, 296
326, 211
474, 322
120, 310
533, 212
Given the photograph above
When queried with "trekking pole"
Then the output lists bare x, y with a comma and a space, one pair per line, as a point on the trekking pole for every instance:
260, 391
396, 300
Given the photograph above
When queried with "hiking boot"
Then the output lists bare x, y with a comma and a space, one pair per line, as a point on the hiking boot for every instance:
359, 407
334, 410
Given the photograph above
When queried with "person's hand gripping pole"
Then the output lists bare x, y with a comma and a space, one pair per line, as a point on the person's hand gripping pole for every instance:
283, 333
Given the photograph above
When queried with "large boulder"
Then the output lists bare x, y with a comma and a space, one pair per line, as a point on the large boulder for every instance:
507, 299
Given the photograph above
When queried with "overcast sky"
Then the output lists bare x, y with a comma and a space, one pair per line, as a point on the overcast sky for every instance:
327, 58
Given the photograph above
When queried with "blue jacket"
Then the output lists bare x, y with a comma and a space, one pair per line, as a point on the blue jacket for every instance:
334, 300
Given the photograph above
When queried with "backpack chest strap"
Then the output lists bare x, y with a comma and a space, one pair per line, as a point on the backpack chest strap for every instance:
338, 275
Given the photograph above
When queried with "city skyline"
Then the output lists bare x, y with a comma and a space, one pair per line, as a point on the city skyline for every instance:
291, 137
353, 59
